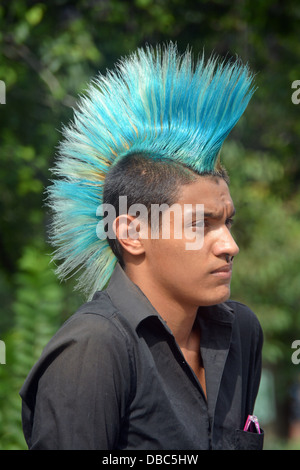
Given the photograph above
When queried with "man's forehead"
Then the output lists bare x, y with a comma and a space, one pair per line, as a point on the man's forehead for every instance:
213, 193
210, 211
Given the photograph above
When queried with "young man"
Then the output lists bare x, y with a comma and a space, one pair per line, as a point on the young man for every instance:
159, 358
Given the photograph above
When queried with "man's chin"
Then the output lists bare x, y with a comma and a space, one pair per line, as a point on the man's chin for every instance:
225, 296
217, 298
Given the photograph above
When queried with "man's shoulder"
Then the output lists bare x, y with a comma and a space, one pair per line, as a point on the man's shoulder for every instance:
95, 325
240, 308
246, 319
93, 318
92, 332
100, 305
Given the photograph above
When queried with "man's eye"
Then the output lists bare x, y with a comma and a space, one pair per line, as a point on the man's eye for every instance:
198, 224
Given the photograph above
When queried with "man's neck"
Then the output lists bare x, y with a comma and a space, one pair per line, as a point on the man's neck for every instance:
179, 316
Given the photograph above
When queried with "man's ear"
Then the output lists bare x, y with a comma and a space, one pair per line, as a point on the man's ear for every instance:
127, 229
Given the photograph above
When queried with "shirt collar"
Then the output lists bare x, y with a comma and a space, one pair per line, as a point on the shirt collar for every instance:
220, 313
128, 298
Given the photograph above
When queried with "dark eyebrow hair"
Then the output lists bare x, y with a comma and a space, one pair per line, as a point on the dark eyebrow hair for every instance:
215, 215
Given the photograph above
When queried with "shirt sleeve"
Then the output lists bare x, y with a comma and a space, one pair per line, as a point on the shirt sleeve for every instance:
77, 394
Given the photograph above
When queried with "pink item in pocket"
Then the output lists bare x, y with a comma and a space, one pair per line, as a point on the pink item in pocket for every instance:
252, 424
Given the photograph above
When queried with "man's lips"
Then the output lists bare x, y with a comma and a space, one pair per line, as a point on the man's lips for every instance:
224, 271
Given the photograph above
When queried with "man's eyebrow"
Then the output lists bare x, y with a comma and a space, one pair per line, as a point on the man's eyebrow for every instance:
213, 214
218, 215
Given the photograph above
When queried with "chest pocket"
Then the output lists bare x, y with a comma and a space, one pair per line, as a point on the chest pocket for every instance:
248, 440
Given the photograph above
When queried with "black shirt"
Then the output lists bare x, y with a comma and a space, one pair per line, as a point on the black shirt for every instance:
113, 377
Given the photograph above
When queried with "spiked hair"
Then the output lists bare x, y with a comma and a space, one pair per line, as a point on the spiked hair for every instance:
155, 102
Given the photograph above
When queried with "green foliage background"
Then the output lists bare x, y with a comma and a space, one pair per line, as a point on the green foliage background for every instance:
49, 52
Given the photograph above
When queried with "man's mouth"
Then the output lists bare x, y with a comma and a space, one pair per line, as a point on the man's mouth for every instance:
224, 271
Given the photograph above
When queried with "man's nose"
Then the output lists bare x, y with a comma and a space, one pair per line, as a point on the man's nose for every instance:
226, 244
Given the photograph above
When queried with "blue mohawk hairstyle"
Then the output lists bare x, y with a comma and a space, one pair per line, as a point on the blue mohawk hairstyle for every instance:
156, 102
